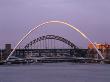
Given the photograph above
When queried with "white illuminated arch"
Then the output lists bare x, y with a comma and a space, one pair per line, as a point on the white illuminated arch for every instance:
65, 23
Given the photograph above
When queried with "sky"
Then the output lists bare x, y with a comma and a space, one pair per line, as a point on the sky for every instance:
92, 17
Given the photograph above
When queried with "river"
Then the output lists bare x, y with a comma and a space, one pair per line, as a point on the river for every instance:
55, 72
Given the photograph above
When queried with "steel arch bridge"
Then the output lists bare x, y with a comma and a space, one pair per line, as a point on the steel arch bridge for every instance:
54, 37
29, 52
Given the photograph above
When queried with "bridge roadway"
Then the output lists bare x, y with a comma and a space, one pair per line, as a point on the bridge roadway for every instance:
56, 55
55, 52
67, 59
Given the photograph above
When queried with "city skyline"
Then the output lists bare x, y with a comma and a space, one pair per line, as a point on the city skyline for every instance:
91, 17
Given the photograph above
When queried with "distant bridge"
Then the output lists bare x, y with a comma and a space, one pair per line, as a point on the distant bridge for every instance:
44, 49
33, 42
34, 49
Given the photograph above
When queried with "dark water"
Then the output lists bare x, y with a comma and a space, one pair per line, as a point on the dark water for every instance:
59, 72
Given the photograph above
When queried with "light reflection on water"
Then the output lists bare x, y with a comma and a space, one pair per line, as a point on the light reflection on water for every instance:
55, 72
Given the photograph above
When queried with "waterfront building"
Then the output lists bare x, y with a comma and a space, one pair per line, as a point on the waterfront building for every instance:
104, 48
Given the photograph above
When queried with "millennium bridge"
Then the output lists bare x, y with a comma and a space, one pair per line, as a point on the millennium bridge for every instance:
45, 49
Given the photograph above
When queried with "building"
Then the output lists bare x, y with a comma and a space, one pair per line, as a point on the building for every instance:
104, 48
4, 53
99, 46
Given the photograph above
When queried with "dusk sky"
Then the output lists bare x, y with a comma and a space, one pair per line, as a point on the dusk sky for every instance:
92, 17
